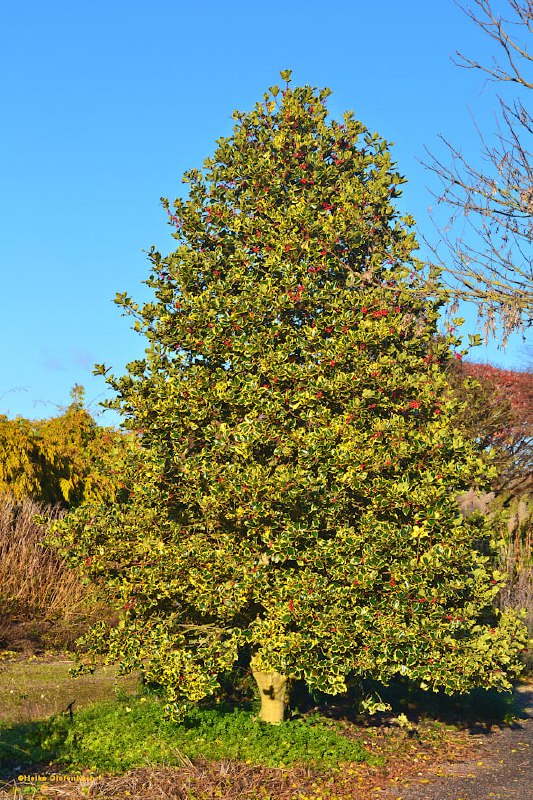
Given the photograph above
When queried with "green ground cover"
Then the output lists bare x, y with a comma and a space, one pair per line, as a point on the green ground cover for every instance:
115, 736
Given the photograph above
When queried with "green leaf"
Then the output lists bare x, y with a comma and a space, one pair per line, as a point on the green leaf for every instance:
291, 498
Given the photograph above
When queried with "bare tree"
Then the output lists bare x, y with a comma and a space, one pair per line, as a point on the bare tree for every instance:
488, 260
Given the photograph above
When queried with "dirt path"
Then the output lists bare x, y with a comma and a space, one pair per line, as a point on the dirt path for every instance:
501, 769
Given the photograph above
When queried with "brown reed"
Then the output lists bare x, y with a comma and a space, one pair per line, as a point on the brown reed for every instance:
37, 588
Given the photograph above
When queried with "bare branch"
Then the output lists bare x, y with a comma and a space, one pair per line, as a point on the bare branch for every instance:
497, 28
487, 243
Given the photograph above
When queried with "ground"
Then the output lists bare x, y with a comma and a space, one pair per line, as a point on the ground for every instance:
430, 762
499, 768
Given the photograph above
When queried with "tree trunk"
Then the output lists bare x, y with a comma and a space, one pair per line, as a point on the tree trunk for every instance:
272, 687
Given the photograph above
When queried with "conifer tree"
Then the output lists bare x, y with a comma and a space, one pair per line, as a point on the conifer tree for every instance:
295, 505
63, 460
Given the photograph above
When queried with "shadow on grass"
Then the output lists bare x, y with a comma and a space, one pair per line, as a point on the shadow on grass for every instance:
478, 711
31, 747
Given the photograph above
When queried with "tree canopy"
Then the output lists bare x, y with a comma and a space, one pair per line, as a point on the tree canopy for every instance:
497, 412
294, 508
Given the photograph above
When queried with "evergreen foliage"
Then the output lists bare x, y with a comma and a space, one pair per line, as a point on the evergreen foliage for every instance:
294, 508
64, 460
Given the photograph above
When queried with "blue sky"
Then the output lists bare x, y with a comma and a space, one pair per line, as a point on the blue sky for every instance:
105, 104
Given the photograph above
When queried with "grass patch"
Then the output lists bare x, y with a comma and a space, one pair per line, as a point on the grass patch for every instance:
36, 689
132, 732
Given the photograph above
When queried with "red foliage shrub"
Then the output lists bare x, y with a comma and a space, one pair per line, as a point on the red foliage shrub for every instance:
516, 386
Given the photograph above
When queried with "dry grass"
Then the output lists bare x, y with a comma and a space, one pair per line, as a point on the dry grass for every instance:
226, 779
515, 561
40, 596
